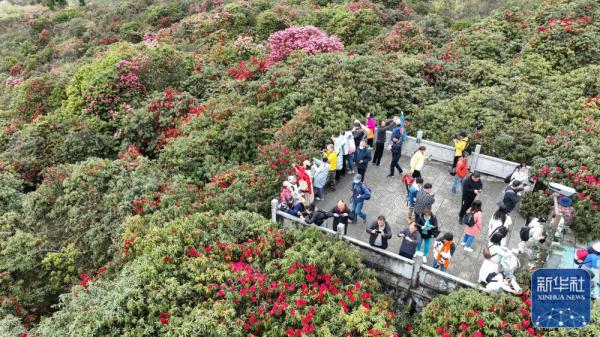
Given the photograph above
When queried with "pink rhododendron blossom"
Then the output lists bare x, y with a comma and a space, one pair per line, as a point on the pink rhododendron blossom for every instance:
309, 39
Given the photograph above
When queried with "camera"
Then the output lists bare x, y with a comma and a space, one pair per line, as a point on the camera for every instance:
562, 189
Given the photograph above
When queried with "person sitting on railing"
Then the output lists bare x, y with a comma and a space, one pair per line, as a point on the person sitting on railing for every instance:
340, 214
286, 191
292, 207
410, 239
443, 249
316, 216
380, 232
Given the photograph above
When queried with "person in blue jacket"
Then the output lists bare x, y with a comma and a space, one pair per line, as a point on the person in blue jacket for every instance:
362, 157
360, 193
396, 148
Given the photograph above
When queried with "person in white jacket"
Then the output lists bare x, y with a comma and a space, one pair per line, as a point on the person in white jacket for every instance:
340, 144
351, 149
500, 218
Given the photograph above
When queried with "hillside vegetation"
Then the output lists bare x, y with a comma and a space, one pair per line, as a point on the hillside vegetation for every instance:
142, 140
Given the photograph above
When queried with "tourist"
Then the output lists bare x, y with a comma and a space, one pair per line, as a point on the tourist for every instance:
416, 186
380, 232
396, 149
492, 254
427, 225
332, 155
417, 161
295, 188
531, 235
315, 216
360, 193
362, 156
320, 173
340, 213
358, 133
521, 173
305, 183
351, 150
286, 191
472, 225
370, 123
499, 219
424, 199
460, 143
505, 279
340, 144
292, 207
380, 136
462, 170
510, 196
410, 239
565, 209
471, 189
443, 249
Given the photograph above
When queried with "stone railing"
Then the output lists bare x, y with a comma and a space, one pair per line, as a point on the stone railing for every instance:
445, 153
419, 281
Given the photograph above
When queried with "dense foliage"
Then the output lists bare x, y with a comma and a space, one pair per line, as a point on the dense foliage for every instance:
122, 120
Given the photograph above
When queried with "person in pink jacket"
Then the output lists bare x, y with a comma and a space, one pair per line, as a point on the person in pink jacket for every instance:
472, 222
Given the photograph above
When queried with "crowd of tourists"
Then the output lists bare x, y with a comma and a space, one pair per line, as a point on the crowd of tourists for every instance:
351, 152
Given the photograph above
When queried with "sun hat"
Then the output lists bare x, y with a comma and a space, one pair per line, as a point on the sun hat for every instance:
596, 247
565, 201
357, 178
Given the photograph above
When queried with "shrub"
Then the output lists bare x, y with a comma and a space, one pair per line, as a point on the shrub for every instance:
36, 97
267, 23
308, 39
130, 32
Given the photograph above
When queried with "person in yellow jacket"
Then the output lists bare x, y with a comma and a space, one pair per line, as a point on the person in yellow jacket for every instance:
460, 143
417, 161
332, 156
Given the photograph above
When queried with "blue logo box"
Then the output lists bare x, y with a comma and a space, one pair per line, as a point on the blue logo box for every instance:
561, 298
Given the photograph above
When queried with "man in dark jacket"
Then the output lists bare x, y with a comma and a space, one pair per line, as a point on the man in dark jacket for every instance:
411, 239
380, 140
472, 187
315, 215
340, 213
380, 232
424, 199
362, 157
396, 149
510, 196
357, 133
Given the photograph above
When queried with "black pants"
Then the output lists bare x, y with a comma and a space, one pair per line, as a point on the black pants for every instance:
394, 164
467, 201
344, 166
456, 158
342, 220
338, 174
416, 174
370, 142
362, 172
408, 256
378, 153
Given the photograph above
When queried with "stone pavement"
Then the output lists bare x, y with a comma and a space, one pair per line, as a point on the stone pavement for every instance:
388, 198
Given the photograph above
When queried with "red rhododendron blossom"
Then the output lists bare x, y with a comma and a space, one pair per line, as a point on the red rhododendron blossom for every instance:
309, 39
464, 326
531, 331
164, 318
480, 323
440, 330
207, 249
193, 252
167, 259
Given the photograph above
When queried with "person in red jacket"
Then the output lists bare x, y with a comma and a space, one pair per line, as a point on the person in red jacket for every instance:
462, 170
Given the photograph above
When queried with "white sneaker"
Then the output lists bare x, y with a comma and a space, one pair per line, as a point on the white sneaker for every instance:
467, 249
424, 259
462, 243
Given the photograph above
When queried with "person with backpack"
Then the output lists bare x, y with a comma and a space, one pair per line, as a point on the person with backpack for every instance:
462, 170
380, 136
380, 232
362, 157
360, 193
417, 161
424, 199
510, 196
472, 222
314, 215
371, 124
498, 220
493, 253
320, 173
410, 239
531, 235
471, 189
505, 278
416, 186
427, 225
340, 214
460, 144
443, 249
396, 149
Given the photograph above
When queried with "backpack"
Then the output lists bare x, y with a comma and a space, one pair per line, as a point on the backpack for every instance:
524, 233
366, 191
469, 219
490, 278
498, 234
469, 148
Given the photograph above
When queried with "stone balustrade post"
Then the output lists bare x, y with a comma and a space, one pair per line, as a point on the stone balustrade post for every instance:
475, 158
274, 204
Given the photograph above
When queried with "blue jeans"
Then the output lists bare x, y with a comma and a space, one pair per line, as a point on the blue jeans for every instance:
320, 192
351, 162
437, 265
457, 181
357, 210
468, 240
426, 249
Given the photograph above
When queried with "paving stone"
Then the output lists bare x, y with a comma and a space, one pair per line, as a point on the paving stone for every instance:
388, 198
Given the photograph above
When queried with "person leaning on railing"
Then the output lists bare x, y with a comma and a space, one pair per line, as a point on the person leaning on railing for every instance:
380, 232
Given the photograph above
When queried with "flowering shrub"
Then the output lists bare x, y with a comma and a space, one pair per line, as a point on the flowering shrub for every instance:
405, 37
259, 275
36, 97
308, 39
247, 70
